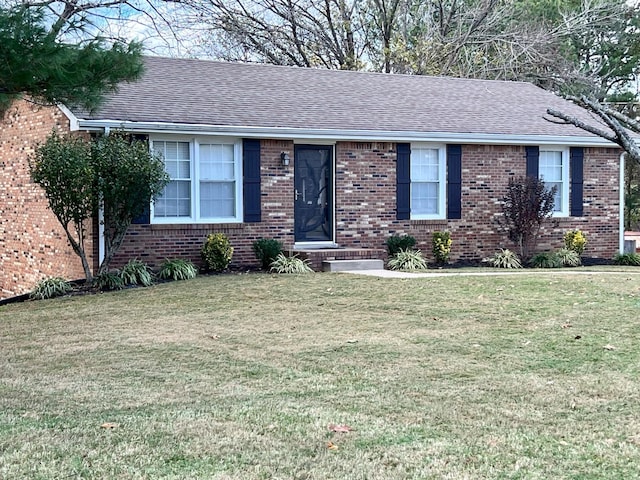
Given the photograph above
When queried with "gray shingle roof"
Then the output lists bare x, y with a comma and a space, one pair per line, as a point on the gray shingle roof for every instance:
201, 92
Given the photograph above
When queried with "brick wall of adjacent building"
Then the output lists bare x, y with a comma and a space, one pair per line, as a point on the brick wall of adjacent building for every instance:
365, 215
33, 245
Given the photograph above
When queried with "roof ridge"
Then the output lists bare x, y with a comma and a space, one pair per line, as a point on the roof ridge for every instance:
331, 71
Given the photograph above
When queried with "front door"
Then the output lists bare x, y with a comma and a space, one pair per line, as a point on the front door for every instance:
313, 193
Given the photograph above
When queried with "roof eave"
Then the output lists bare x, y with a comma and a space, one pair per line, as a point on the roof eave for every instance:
338, 135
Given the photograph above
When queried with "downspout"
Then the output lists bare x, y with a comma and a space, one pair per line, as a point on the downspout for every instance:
621, 227
101, 247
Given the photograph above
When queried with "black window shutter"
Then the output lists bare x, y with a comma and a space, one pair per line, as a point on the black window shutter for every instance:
533, 160
576, 159
251, 180
454, 181
403, 181
145, 217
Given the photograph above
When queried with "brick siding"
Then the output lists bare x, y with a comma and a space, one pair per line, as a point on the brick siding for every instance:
33, 245
365, 178
154, 243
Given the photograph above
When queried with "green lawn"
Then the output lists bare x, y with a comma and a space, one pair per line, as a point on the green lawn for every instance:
240, 376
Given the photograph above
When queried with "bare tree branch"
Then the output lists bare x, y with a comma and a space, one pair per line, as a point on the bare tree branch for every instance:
621, 127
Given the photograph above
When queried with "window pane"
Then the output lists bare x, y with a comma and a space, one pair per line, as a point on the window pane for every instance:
557, 199
176, 198
424, 198
217, 199
216, 162
424, 164
184, 169
550, 166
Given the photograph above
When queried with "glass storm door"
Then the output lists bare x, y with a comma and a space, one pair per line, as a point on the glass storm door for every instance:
313, 193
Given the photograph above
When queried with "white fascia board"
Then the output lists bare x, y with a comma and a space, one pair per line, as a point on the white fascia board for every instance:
73, 120
343, 135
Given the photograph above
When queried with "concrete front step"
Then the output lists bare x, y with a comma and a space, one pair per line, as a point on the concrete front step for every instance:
354, 264
316, 256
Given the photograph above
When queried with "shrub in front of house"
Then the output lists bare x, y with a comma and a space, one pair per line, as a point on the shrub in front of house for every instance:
568, 257
136, 272
292, 264
217, 252
558, 259
630, 259
408, 260
545, 260
108, 281
177, 269
526, 206
50, 288
575, 240
396, 243
266, 251
505, 258
441, 247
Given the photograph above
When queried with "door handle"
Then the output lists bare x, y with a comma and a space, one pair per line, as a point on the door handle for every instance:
296, 194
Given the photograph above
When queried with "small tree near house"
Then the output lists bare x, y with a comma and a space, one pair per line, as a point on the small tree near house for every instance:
128, 177
527, 204
114, 173
62, 167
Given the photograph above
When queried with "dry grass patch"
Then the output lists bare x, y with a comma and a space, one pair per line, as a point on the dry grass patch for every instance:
239, 377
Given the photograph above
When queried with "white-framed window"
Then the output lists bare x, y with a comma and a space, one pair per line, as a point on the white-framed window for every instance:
206, 180
553, 170
428, 182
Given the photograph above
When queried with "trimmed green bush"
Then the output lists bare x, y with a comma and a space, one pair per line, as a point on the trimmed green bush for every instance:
217, 252
505, 258
395, 243
267, 250
177, 269
136, 272
293, 264
50, 288
408, 260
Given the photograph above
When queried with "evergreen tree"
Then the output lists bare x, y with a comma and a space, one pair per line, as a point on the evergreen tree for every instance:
39, 66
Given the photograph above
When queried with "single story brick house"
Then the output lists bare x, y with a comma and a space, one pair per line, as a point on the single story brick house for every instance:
317, 159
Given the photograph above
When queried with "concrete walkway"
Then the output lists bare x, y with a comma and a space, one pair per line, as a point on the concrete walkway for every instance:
573, 271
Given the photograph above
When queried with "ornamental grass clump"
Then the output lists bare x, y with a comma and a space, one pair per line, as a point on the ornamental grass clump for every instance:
410, 260
108, 281
629, 259
546, 260
136, 272
568, 257
505, 258
292, 264
177, 269
217, 252
50, 288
